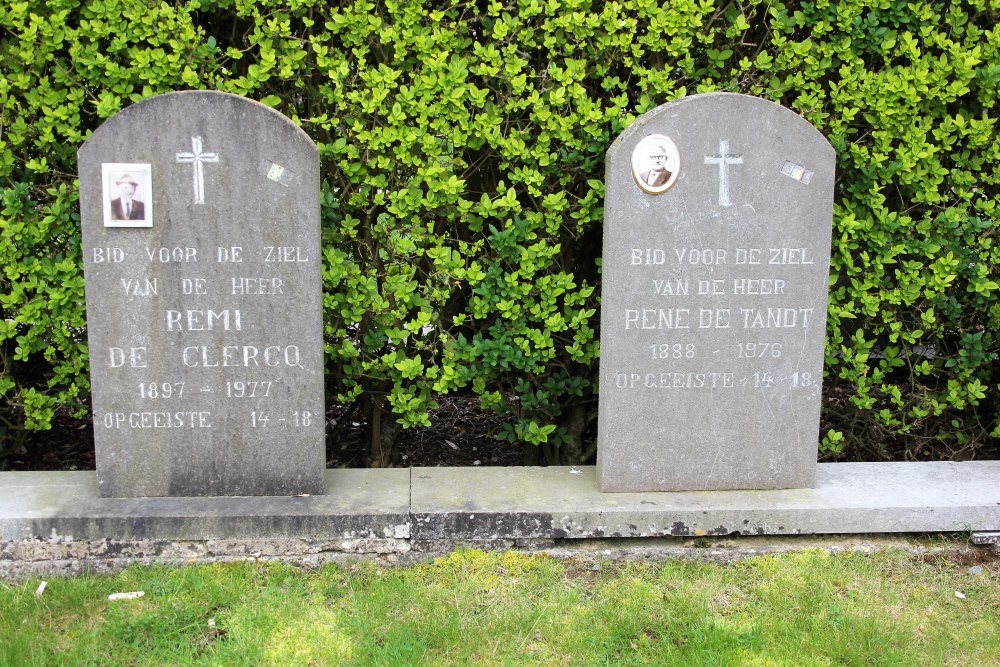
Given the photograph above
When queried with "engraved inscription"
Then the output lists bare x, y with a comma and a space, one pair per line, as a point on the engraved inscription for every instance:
179, 419
658, 318
194, 286
679, 287
646, 380
720, 256
139, 287
161, 389
775, 318
707, 272
133, 357
284, 254
758, 286
755, 350
675, 351
178, 254
251, 389
230, 254
204, 320
257, 286
113, 255
193, 317
246, 356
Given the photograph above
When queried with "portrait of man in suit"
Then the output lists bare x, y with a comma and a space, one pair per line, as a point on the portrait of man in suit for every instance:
126, 195
126, 206
655, 163
657, 173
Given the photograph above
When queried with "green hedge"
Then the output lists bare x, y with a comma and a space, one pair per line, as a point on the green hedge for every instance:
462, 147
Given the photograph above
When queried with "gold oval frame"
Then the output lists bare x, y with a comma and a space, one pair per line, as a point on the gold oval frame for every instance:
642, 163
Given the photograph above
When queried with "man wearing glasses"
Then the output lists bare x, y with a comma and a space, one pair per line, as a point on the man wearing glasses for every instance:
657, 175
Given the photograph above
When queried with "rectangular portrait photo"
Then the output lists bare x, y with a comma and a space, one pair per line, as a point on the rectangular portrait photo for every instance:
128, 194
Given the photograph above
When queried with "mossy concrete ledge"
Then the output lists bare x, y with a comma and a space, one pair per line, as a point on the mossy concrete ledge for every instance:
392, 508
562, 502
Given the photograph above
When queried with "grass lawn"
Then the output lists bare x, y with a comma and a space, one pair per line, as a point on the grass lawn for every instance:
795, 610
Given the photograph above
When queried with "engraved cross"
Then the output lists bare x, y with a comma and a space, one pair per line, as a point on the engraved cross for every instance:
724, 159
196, 157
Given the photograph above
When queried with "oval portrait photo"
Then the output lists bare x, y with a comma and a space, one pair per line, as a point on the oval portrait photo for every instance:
655, 164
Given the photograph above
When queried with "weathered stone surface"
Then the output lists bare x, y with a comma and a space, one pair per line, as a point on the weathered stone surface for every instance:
54, 522
446, 546
205, 310
714, 298
596, 553
560, 502
64, 507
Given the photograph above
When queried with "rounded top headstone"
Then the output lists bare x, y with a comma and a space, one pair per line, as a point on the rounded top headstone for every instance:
703, 104
202, 253
717, 226
161, 112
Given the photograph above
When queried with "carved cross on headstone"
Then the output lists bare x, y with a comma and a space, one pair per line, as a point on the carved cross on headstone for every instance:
724, 159
237, 357
714, 300
197, 158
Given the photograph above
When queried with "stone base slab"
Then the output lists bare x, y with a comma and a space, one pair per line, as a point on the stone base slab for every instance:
55, 522
358, 504
563, 502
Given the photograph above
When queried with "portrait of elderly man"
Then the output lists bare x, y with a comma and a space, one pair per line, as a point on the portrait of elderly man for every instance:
655, 161
126, 206
657, 175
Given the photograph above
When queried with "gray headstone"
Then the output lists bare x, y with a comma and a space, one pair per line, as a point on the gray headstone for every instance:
718, 216
204, 299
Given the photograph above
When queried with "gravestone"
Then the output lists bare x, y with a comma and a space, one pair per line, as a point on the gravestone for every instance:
201, 244
718, 217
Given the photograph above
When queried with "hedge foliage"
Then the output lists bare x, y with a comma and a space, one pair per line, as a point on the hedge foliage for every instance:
462, 147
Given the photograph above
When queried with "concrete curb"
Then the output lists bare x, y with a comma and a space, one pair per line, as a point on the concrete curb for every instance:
53, 522
562, 502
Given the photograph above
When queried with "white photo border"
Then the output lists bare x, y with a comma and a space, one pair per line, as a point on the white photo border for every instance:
141, 172
641, 162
